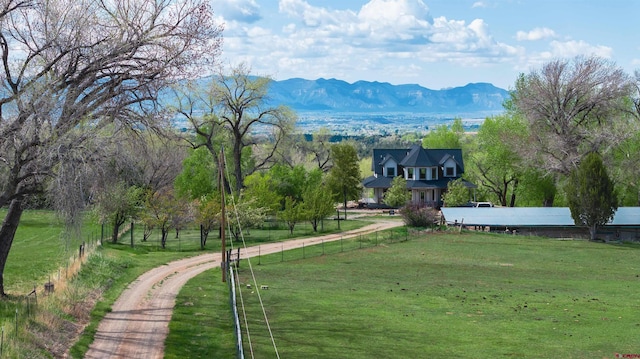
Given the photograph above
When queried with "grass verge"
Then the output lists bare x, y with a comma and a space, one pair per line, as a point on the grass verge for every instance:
203, 304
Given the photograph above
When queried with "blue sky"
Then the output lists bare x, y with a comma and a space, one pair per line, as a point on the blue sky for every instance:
434, 43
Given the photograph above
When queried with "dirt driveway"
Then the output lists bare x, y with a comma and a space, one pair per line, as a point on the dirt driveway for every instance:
139, 321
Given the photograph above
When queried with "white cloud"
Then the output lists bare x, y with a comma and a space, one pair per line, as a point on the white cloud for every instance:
394, 38
479, 4
238, 10
313, 16
561, 49
574, 48
538, 33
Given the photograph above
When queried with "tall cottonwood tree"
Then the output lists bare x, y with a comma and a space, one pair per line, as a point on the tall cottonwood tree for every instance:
237, 104
72, 67
573, 107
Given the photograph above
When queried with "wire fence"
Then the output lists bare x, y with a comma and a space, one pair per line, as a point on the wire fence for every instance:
234, 310
311, 248
25, 307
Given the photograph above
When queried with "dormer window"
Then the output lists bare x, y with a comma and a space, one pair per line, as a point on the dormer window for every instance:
449, 171
391, 171
410, 174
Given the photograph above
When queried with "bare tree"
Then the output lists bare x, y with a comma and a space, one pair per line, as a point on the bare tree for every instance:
70, 68
573, 107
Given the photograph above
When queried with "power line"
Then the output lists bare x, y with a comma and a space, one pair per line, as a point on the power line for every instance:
244, 245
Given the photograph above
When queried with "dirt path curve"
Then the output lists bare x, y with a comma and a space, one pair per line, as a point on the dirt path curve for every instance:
138, 323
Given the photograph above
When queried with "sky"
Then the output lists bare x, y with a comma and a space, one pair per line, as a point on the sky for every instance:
434, 43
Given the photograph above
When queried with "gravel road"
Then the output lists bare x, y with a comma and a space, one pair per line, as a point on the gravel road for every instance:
139, 321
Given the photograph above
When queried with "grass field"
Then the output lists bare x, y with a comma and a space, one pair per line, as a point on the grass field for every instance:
123, 264
463, 295
203, 303
44, 250
41, 247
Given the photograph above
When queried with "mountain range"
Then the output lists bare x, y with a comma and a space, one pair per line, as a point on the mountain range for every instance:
364, 96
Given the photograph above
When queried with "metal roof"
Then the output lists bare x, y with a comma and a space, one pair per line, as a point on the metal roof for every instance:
529, 216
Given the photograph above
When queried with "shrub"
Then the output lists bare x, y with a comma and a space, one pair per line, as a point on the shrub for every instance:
419, 216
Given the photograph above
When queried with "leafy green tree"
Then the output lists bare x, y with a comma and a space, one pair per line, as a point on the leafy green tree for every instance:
457, 194
209, 211
397, 195
626, 170
244, 214
292, 213
591, 194
198, 175
316, 204
263, 188
290, 181
497, 162
344, 178
118, 203
537, 188
444, 136
160, 208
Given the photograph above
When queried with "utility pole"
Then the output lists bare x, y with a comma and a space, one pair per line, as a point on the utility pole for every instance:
223, 215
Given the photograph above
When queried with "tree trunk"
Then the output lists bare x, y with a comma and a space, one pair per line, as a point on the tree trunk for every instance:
237, 162
146, 233
165, 234
116, 229
7, 233
593, 230
512, 203
204, 234
344, 189
118, 221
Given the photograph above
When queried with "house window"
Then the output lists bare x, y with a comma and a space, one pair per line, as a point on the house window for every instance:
410, 173
391, 171
449, 171
423, 173
434, 173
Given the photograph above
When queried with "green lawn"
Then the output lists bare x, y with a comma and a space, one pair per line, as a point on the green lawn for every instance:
450, 295
203, 303
41, 250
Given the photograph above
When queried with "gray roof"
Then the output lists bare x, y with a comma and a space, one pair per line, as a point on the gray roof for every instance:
385, 182
529, 216
416, 156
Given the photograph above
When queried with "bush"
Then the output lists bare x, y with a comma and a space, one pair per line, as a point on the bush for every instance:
419, 216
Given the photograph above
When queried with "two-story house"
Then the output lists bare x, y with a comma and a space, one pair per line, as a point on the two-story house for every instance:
427, 171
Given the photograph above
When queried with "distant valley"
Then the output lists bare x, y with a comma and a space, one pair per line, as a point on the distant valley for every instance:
364, 107
380, 108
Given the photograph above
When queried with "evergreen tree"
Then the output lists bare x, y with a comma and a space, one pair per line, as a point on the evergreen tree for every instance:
592, 198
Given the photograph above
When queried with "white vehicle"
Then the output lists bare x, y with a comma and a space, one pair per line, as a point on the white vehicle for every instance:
483, 204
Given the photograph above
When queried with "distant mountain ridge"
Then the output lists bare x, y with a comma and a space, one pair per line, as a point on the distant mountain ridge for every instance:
364, 96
